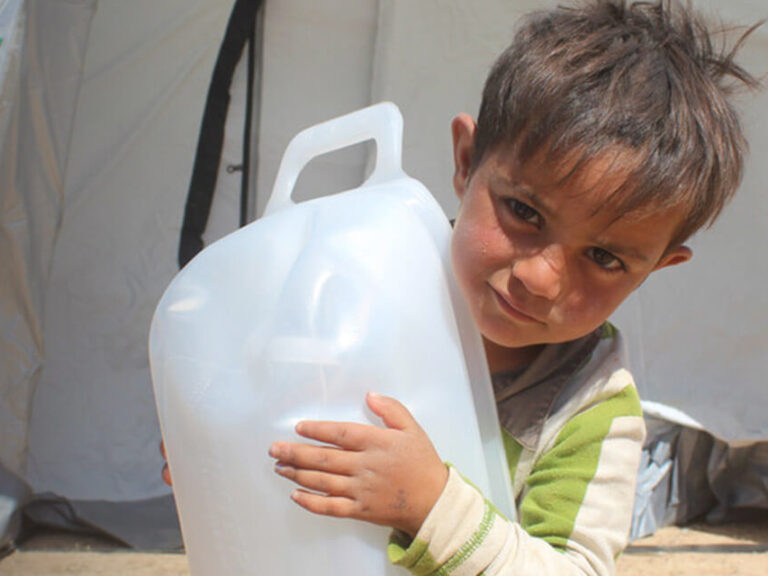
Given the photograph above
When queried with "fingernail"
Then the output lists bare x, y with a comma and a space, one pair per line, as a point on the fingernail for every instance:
299, 427
274, 451
295, 495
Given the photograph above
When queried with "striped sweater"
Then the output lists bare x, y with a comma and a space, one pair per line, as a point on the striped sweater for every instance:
573, 434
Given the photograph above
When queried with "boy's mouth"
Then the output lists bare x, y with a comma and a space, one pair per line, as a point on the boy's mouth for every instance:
513, 310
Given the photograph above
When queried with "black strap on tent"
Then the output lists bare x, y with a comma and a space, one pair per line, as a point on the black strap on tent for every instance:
240, 28
245, 181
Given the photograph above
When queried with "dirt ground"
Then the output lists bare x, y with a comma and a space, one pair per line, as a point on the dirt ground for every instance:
699, 550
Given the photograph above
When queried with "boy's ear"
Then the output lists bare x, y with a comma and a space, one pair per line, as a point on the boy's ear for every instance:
463, 130
674, 257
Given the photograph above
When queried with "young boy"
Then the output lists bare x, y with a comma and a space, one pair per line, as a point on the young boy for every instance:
604, 141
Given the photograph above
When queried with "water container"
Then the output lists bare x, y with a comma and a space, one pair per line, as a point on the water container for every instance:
297, 316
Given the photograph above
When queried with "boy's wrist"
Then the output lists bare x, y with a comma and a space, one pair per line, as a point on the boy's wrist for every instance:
451, 523
423, 502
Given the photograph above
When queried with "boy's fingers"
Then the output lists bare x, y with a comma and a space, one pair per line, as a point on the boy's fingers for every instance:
337, 506
331, 484
347, 435
308, 457
393, 413
166, 474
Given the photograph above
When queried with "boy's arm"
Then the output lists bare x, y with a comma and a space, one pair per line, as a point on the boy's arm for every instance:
574, 517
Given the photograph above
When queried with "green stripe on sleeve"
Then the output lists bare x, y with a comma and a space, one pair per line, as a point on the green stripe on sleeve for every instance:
559, 480
489, 514
513, 449
415, 556
609, 331
411, 554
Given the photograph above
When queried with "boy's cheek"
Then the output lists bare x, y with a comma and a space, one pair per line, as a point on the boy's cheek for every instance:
464, 248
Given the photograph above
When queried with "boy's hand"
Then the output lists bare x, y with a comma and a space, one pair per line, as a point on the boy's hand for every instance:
166, 473
390, 476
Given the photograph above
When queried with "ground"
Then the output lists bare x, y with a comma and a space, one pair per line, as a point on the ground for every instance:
698, 550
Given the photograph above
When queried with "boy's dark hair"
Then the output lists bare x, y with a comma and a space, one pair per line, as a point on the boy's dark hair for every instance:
610, 75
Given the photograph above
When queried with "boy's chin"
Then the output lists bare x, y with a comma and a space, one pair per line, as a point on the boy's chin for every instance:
543, 338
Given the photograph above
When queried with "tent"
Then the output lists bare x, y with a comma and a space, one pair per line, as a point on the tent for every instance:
126, 127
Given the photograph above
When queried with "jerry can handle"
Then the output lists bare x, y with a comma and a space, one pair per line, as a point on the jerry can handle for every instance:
380, 122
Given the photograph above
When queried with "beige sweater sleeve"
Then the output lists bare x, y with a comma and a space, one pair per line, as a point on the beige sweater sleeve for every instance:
574, 517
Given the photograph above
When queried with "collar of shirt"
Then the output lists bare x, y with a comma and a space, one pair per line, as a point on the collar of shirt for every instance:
525, 398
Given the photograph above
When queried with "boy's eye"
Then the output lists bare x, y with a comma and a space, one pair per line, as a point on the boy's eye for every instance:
605, 259
524, 212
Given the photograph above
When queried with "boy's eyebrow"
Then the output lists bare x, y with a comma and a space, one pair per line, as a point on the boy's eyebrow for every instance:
519, 188
533, 198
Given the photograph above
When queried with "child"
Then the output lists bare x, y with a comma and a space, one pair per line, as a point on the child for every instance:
604, 141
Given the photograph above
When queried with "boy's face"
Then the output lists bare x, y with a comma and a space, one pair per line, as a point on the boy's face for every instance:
540, 260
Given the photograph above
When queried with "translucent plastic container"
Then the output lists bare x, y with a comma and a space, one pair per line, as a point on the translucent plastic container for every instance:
297, 316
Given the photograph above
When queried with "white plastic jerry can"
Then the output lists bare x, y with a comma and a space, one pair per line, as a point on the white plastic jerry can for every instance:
297, 316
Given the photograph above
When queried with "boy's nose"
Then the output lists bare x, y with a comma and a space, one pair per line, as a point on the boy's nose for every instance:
542, 272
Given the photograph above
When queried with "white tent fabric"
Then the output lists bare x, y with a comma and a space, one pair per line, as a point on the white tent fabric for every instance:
99, 117
102, 122
39, 91
115, 247
318, 63
102, 127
